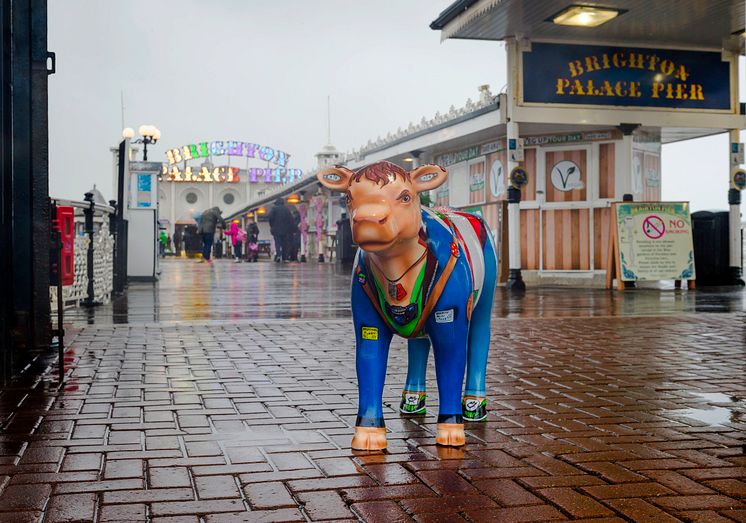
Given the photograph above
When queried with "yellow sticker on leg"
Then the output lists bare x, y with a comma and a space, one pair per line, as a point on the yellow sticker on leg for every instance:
370, 333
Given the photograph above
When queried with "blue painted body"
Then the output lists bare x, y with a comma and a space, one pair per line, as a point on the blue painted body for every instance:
460, 346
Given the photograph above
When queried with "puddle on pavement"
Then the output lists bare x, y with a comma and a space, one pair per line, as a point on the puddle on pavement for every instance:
726, 409
715, 397
712, 416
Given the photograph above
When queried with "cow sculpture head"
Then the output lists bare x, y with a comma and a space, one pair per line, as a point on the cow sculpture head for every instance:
383, 201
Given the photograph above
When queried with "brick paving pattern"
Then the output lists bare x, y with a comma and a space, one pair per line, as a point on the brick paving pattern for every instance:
592, 419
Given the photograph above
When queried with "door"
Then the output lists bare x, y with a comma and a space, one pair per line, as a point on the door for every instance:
566, 219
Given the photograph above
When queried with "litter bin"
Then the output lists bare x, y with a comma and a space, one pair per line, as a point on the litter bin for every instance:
345, 248
710, 237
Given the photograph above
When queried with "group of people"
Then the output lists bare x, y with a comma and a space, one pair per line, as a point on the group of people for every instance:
212, 220
284, 226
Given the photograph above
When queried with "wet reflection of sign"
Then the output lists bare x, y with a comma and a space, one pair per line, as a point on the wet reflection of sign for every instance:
654, 241
566, 176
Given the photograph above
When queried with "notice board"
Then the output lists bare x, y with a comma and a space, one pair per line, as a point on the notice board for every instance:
650, 241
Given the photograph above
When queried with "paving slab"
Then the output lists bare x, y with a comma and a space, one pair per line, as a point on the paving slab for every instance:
614, 416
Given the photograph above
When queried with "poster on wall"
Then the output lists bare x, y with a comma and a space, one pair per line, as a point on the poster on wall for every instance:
497, 179
651, 241
476, 183
566, 176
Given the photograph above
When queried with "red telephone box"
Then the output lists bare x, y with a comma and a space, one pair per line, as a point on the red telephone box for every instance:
66, 220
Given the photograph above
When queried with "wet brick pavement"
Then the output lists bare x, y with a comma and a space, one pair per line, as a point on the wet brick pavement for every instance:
595, 418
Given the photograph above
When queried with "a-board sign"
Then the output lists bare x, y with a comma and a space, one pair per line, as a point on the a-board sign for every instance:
650, 241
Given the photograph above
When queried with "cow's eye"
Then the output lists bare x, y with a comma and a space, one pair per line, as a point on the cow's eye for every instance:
405, 197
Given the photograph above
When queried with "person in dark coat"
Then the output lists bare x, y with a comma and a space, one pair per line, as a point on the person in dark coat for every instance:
178, 239
281, 226
211, 219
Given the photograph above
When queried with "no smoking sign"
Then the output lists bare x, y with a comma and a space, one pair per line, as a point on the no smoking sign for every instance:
653, 227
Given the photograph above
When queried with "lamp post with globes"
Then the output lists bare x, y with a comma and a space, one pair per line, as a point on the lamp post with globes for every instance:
150, 135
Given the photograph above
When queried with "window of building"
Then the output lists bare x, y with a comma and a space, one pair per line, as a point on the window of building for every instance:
228, 198
191, 197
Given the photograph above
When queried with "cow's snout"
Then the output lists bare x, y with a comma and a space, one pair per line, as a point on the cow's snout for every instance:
371, 214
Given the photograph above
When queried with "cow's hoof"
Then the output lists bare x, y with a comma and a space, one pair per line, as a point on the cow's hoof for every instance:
451, 434
370, 438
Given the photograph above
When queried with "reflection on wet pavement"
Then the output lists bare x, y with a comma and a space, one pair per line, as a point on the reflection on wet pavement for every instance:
230, 396
226, 291
720, 409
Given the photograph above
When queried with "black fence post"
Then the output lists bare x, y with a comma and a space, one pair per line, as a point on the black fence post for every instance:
114, 229
120, 245
88, 213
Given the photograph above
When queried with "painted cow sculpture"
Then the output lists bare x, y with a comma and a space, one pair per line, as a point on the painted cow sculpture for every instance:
425, 275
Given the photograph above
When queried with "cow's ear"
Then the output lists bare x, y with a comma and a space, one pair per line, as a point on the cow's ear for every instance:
336, 178
427, 177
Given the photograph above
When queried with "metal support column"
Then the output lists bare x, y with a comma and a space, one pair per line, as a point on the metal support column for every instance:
515, 279
24, 187
735, 258
88, 213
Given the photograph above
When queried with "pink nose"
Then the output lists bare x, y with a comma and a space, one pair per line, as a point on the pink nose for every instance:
371, 214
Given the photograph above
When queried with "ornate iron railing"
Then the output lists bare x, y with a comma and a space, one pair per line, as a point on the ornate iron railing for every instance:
102, 253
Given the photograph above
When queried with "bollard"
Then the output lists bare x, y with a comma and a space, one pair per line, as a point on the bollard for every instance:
88, 213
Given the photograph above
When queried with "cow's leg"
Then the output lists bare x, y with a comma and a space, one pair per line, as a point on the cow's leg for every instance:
449, 347
475, 393
372, 348
413, 395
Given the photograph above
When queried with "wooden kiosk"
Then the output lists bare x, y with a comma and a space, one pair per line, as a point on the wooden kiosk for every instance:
592, 94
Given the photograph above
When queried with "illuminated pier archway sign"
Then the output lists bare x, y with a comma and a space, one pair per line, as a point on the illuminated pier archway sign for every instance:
176, 169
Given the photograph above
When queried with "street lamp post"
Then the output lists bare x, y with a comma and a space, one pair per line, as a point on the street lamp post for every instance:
150, 135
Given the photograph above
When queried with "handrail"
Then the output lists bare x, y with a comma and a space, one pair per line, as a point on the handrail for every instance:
84, 205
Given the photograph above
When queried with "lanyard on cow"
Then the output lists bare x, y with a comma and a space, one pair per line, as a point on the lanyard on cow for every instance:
435, 292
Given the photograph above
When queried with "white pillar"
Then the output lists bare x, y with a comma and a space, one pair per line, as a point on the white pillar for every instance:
625, 164
734, 217
515, 280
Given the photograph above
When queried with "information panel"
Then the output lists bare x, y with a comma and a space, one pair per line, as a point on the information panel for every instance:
626, 76
653, 241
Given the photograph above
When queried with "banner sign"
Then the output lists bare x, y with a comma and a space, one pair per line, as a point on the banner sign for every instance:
626, 76
654, 241
444, 160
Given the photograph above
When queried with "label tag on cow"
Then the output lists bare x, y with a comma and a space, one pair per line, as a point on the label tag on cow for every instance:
370, 333
444, 316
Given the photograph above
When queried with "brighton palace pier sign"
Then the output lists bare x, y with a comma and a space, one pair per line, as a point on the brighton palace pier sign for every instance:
622, 76
177, 170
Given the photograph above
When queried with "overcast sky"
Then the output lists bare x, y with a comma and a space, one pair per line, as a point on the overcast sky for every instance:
260, 71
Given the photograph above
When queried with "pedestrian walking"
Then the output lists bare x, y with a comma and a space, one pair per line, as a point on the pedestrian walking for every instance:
178, 238
210, 220
162, 241
238, 237
252, 241
281, 226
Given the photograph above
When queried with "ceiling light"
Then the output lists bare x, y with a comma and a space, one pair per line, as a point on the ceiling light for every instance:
584, 16
409, 160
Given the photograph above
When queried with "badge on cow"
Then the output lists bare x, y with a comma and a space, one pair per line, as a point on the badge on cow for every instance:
445, 316
370, 333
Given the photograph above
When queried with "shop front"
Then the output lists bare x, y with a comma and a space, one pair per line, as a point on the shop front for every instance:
591, 98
